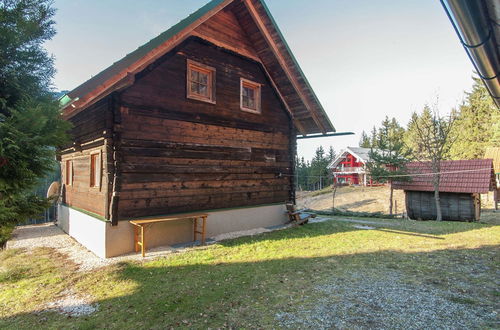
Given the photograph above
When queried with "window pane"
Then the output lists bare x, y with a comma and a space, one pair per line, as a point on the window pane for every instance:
251, 103
248, 97
203, 90
203, 78
194, 88
194, 75
251, 93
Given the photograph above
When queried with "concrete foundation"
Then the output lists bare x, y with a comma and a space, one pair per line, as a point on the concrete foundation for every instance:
109, 241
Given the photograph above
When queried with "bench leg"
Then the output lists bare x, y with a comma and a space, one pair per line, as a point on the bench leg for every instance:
204, 226
195, 228
136, 238
143, 242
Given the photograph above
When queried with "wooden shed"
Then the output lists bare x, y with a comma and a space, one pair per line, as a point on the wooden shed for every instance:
494, 154
461, 183
203, 117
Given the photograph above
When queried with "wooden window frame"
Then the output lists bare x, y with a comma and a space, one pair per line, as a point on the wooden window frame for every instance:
258, 95
68, 172
210, 71
95, 170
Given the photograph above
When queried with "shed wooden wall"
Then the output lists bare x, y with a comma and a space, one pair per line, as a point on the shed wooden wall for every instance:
182, 155
87, 133
420, 205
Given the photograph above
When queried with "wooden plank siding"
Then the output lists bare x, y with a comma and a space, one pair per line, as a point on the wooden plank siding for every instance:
80, 193
181, 155
224, 30
88, 136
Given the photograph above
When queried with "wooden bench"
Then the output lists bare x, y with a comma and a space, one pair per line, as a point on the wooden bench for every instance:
140, 224
297, 217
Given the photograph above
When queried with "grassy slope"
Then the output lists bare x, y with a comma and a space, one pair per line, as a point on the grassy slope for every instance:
374, 199
351, 198
245, 282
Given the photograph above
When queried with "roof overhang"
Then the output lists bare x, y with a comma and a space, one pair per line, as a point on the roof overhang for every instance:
477, 24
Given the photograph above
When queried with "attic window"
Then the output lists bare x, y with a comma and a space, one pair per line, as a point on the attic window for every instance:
200, 82
250, 96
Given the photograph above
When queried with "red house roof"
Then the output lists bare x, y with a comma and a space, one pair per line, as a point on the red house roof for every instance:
457, 176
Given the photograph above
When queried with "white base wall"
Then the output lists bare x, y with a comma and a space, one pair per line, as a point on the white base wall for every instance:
87, 230
109, 241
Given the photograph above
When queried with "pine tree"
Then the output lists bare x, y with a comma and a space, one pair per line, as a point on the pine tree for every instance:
331, 154
373, 138
30, 124
364, 142
476, 125
388, 162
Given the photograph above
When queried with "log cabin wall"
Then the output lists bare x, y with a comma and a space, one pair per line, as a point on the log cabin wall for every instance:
181, 155
89, 134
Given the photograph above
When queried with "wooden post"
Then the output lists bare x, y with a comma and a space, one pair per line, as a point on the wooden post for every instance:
496, 198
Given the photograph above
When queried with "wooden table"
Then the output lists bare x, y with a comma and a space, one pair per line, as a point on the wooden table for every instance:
140, 224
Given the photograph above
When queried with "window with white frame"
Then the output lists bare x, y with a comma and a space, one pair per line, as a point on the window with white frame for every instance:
200, 82
250, 96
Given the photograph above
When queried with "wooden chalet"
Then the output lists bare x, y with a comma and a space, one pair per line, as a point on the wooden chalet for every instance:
349, 167
461, 183
203, 117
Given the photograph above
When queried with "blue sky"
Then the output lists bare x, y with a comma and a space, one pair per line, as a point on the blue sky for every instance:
365, 59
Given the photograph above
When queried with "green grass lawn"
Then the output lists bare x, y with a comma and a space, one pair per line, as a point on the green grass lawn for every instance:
244, 283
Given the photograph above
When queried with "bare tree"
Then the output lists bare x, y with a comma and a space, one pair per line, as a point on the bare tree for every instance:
432, 141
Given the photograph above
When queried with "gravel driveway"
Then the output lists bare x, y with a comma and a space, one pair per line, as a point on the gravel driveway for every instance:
386, 301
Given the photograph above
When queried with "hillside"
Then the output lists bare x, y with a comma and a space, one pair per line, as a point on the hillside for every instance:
373, 199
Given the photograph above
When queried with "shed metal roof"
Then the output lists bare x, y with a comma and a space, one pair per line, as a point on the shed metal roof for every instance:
457, 176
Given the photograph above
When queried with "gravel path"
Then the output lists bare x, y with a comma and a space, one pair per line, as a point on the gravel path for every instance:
49, 235
386, 301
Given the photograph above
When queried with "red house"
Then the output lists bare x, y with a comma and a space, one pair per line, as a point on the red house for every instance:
349, 167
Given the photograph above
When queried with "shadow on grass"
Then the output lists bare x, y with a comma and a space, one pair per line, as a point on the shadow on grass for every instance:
415, 226
208, 292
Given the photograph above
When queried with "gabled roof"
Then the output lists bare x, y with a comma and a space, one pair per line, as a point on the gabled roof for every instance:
275, 55
362, 154
457, 176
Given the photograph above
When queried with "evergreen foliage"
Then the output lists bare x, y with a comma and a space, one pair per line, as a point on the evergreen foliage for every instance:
315, 175
31, 127
477, 125
388, 160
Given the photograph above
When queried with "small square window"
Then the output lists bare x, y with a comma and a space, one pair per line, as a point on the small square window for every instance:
69, 173
95, 170
250, 96
200, 82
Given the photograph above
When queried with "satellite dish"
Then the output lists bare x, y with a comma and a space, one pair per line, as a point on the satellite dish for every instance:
53, 190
